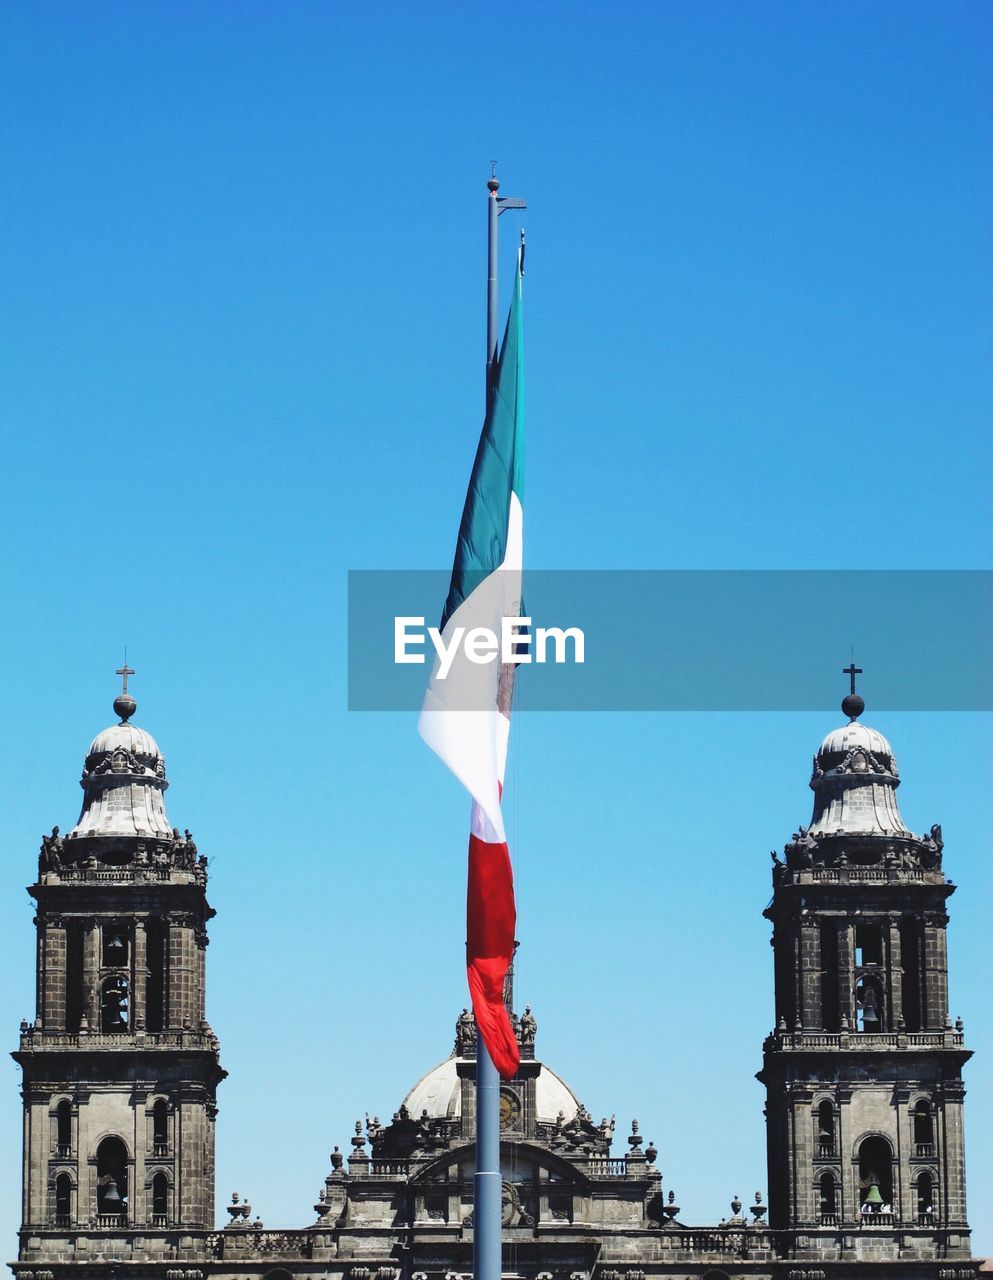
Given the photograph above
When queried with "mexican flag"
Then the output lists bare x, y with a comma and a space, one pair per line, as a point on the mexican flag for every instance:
466, 714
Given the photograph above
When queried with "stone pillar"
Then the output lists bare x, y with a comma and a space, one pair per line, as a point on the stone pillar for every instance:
201, 977
810, 959
790, 1153
951, 1145
191, 1189
85, 1170
845, 1192
139, 977
903, 1205
935, 975
846, 992
802, 1147
91, 973
897, 1021
181, 971
139, 1140
796, 953
52, 1007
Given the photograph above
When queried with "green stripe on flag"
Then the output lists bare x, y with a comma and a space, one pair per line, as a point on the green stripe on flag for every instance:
497, 472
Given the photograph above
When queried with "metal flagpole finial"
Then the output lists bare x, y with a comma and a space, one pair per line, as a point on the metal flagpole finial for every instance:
494, 181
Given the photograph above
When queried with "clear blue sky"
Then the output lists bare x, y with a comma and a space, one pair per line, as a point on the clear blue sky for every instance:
241, 345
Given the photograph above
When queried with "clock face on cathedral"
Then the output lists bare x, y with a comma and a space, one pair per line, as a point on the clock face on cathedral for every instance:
510, 1109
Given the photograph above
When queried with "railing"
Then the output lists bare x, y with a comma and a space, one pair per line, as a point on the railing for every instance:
240, 1240
160, 1219
110, 875
605, 1167
878, 874
63, 1220
63, 1151
879, 1218
924, 1149
112, 1221
826, 1147
160, 1150
389, 1168
731, 1241
868, 1039
34, 1037
925, 1218
829, 1219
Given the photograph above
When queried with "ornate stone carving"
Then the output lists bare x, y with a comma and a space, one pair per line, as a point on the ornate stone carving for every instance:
465, 1034
50, 857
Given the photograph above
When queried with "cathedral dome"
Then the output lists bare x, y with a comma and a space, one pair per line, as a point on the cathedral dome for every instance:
123, 782
853, 735
129, 738
854, 781
439, 1093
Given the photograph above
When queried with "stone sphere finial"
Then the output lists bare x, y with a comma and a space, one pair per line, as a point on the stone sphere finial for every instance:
853, 704
125, 707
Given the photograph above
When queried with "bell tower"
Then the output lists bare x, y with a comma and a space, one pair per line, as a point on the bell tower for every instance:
120, 1067
863, 1071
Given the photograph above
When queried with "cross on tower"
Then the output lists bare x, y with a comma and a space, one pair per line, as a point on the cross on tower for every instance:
126, 671
852, 671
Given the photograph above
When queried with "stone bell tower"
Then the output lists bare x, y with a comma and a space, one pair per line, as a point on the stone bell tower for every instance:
863, 1072
120, 1066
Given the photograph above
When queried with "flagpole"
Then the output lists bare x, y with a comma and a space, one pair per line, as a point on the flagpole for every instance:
487, 1241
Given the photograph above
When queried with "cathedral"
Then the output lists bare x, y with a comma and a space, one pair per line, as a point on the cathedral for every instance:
862, 1070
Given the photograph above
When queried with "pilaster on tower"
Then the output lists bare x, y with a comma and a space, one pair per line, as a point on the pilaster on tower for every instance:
863, 1068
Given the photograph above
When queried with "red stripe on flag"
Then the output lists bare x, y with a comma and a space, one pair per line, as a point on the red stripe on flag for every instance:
491, 920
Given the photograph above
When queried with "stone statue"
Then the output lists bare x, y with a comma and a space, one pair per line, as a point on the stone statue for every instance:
931, 847
800, 850
50, 858
529, 1026
465, 1032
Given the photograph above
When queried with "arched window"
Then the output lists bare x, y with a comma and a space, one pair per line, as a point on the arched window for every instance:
923, 1128
115, 1005
869, 1005
925, 1198
63, 1128
160, 1200
828, 1197
875, 1176
825, 1128
160, 1127
63, 1200
112, 1178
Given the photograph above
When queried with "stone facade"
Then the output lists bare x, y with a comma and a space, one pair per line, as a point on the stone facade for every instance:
862, 1071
